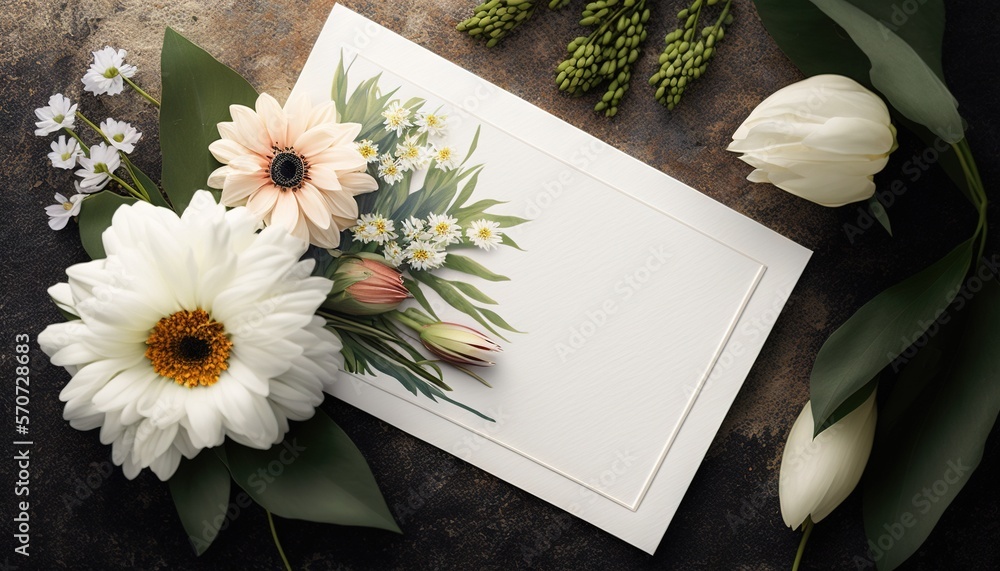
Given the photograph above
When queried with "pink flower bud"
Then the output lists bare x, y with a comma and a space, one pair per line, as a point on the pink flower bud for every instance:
459, 344
365, 286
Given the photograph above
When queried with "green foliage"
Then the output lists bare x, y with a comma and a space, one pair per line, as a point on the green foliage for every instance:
950, 391
870, 339
684, 60
197, 93
316, 474
95, 217
200, 490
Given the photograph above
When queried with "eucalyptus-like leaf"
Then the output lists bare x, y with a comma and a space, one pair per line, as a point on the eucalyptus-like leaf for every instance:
469, 266
197, 93
899, 72
316, 474
95, 217
878, 211
882, 329
929, 452
200, 490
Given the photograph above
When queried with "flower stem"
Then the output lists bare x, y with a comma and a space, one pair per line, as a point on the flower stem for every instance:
91, 124
407, 321
73, 134
140, 91
807, 527
971, 171
127, 187
274, 535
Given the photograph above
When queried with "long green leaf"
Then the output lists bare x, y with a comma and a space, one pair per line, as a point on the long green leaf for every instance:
315, 474
197, 93
879, 331
147, 184
95, 217
472, 267
924, 461
455, 299
899, 72
200, 490
472, 292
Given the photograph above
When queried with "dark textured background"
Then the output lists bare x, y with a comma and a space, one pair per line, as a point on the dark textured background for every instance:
454, 515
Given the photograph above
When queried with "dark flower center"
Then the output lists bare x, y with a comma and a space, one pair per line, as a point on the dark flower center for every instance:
288, 170
193, 349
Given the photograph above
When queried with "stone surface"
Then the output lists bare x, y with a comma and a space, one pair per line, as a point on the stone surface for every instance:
454, 515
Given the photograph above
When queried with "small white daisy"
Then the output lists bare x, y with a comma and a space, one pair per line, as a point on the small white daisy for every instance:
368, 150
444, 229
105, 74
60, 113
415, 229
64, 153
390, 169
103, 161
431, 123
393, 254
379, 228
485, 234
64, 209
397, 118
122, 135
411, 154
444, 157
423, 255
362, 232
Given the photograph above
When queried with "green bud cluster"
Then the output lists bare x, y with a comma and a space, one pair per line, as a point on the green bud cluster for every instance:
493, 20
686, 56
608, 53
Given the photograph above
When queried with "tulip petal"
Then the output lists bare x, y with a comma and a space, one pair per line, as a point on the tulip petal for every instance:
850, 136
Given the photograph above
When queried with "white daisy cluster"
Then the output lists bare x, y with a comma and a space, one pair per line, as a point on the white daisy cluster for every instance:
423, 241
412, 151
98, 163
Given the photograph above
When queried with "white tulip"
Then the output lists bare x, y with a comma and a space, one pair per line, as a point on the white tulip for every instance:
817, 474
822, 139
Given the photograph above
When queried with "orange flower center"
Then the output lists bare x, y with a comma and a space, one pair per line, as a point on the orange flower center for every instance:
189, 348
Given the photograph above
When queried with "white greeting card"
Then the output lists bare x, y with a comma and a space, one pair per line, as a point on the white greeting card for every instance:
641, 303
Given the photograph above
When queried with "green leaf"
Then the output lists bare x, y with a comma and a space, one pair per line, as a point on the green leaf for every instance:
147, 184
418, 294
338, 91
200, 490
315, 474
472, 267
879, 331
96, 213
899, 72
467, 190
499, 321
472, 147
878, 211
813, 42
926, 458
454, 298
197, 93
472, 292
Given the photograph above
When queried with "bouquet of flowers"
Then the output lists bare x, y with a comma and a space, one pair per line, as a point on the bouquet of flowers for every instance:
272, 257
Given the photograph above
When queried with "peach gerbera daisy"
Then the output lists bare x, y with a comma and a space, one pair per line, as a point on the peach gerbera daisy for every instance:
294, 166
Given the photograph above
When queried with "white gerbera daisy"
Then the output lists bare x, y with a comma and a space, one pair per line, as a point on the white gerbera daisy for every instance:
415, 229
397, 118
60, 113
393, 254
444, 229
294, 166
390, 169
444, 157
368, 150
64, 209
485, 234
424, 255
120, 134
106, 73
193, 329
431, 123
411, 154
97, 168
65, 153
